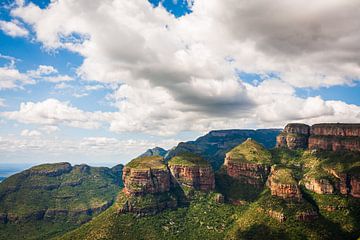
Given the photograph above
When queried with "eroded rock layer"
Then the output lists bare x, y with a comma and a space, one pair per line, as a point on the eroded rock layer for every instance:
282, 184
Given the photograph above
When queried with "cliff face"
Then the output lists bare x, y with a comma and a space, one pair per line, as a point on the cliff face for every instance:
248, 162
320, 186
283, 184
294, 136
144, 181
328, 136
192, 171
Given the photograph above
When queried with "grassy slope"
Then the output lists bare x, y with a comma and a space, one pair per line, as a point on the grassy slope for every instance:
80, 189
188, 159
154, 162
250, 151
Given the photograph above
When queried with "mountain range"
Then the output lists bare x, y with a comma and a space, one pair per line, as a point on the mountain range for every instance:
299, 183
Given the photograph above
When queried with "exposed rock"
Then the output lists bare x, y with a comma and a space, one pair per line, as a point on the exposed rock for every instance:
283, 184
326, 136
51, 170
294, 136
192, 171
248, 162
279, 216
355, 186
307, 216
143, 181
147, 187
336, 129
320, 186
219, 198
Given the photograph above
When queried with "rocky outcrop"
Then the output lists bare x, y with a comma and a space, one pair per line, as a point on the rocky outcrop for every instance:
334, 143
248, 162
320, 186
336, 129
294, 136
307, 216
279, 216
348, 183
147, 185
248, 173
325, 136
199, 178
144, 181
283, 184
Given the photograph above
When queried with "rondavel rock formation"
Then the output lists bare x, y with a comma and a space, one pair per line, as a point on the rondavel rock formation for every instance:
248, 162
151, 185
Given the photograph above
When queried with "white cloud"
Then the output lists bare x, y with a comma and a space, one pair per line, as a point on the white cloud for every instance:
53, 112
30, 133
11, 78
13, 29
180, 74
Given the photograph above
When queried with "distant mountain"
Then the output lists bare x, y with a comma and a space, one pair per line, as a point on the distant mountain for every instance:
156, 151
215, 144
57, 195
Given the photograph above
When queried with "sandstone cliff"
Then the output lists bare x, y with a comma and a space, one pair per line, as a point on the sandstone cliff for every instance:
326, 136
249, 162
283, 184
294, 136
192, 171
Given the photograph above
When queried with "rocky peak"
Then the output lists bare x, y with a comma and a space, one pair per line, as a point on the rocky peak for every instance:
156, 151
294, 136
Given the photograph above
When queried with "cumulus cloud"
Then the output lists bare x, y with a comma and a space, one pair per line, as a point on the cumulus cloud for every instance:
53, 112
11, 78
13, 29
181, 74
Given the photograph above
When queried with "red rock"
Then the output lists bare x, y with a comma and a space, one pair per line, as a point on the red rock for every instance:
320, 186
355, 186
336, 129
144, 181
294, 136
282, 184
307, 216
197, 177
249, 173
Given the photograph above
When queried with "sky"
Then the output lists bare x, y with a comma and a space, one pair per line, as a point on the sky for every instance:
99, 82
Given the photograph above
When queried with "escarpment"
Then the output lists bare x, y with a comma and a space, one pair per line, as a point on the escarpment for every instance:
249, 162
326, 136
294, 136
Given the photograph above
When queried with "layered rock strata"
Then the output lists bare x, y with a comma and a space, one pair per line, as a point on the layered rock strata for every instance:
192, 171
249, 162
294, 136
283, 184
325, 136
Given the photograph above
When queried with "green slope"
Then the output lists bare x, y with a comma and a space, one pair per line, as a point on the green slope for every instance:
51, 199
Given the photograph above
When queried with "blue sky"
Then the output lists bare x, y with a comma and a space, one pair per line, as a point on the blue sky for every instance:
146, 74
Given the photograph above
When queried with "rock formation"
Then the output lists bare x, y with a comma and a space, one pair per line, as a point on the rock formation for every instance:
294, 136
320, 186
192, 171
325, 136
283, 184
248, 162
